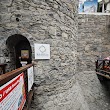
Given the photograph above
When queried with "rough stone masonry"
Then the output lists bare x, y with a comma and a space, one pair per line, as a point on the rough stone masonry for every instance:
93, 41
60, 84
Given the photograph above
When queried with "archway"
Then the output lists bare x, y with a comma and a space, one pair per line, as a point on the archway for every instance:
20, 49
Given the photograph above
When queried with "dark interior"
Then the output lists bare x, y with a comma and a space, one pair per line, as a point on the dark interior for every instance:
18, 43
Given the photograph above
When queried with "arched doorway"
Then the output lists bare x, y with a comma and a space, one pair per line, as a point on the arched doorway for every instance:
20, 49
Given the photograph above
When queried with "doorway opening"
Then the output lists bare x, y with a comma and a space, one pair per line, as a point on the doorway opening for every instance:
20, 50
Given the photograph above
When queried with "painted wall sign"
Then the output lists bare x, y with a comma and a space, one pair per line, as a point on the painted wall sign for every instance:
12, 94
81, 6
30, 78
88, 6
42, 51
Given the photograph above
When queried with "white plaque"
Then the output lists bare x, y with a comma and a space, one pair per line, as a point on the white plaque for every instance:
30, 78
42, 51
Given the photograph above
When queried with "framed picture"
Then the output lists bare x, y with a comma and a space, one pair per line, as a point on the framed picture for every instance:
24, 54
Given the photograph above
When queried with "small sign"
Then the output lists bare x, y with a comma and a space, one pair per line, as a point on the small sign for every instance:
42, 51
12, 94
30, 78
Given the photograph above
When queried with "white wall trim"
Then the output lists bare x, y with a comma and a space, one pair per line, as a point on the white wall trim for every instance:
95, 13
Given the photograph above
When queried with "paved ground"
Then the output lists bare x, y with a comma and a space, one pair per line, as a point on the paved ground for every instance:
97, 93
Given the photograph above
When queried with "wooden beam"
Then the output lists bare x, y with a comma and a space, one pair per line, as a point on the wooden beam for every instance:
106, 76
4, 78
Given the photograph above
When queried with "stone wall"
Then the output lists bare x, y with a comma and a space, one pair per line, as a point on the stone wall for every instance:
93, 41
53, 22
61, 82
